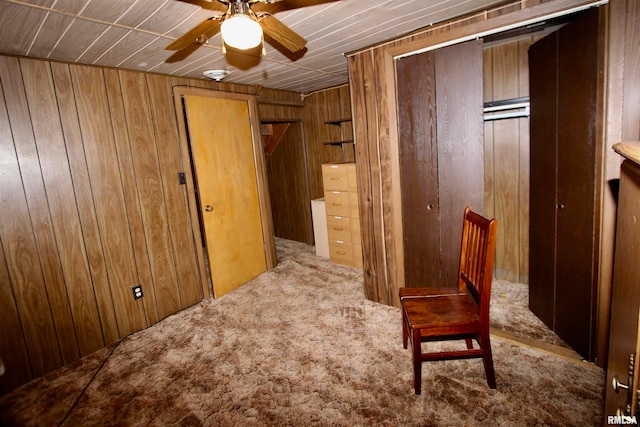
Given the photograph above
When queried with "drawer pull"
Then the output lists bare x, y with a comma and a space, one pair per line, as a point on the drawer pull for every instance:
336, 204
341, 252
338, 228
333, 178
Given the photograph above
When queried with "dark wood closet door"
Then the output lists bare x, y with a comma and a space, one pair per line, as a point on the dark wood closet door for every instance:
440, 129
563, 279
419, 168
543, 180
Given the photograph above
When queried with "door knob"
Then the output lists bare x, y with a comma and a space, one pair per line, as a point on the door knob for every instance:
617, 385
208, 208
430, 206
560, 206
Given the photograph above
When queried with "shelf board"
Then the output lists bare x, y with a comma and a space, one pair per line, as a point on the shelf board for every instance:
337, 121
347, 141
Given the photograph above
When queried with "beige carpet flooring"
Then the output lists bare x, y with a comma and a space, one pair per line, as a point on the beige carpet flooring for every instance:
301, 346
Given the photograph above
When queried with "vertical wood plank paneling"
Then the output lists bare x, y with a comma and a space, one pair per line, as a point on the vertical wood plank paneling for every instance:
35, 172
506, 154
84, 199
320, 107
288, 166
184, 254
346, 128
290, 203
631, 109
326, 105
13, 347
65, 222
523, 164
16, 229
388, 196
507, 159
150, 191
314, 147
80, 146
109, 200
489, 164
365, 159
125, 163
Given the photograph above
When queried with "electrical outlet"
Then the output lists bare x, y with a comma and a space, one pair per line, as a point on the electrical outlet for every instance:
137, 292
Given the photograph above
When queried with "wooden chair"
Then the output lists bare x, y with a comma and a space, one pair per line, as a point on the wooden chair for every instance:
438, 314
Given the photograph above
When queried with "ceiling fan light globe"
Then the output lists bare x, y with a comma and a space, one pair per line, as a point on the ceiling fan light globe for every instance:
241, 32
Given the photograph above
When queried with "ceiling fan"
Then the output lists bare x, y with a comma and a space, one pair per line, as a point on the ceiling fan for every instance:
242, 24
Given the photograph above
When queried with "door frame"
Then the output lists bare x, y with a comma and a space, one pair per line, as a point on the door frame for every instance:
190, 178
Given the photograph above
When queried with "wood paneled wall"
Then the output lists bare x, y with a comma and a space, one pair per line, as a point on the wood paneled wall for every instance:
91, 206
320, 107
506, 158
290, 201
373, 97
371, 74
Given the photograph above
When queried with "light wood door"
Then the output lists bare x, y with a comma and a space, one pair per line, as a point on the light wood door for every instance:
625, 305
223, 156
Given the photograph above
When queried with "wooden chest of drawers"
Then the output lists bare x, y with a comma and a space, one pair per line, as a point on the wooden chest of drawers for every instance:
343, 222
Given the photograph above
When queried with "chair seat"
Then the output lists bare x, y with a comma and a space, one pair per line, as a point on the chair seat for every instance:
446, 314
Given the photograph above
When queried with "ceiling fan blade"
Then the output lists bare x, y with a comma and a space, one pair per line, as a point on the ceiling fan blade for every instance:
181, 54
283, 5
207, 4
208, 28
281, 33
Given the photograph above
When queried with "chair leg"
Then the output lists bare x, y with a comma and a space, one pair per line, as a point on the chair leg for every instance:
405, 332
469, 342
487, 359
417, 361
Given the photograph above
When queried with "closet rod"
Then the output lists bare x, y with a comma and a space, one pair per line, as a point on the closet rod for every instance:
504, 105
489, 117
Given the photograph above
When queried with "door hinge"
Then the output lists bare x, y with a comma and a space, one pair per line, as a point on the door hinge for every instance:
182, 179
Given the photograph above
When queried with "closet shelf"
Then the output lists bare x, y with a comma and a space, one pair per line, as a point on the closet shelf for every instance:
346, 141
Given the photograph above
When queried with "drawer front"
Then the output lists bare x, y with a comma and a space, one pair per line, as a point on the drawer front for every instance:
334, 177
339, 228
341, 252
337, 203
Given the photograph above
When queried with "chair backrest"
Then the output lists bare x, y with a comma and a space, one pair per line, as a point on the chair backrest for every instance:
477, 254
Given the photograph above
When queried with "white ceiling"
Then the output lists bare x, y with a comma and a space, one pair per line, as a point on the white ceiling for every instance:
132, 34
